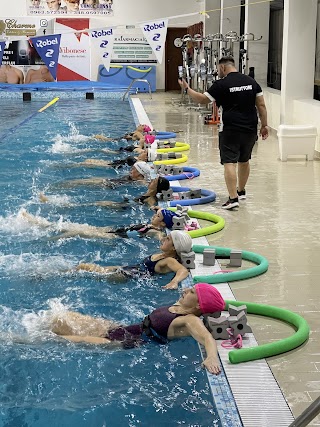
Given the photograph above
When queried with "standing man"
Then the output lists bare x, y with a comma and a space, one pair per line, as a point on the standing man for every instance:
239, 97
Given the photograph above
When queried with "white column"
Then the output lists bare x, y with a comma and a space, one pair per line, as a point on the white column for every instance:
298, 56
212, 25
230, 21
257, 22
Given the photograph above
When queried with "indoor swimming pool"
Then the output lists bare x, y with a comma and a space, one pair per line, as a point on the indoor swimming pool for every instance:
46, 380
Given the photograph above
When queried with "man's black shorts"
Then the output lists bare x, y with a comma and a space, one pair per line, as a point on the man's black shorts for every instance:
236, 146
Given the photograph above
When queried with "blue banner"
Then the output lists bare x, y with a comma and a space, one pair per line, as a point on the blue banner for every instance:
2, 47
48, 49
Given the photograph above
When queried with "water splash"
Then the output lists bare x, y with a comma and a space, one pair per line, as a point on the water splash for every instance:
31, 265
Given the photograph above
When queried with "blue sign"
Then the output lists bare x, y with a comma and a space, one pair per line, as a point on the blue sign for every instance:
2, 47
48, 48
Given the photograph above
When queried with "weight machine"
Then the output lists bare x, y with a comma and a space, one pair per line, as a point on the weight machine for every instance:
203, 70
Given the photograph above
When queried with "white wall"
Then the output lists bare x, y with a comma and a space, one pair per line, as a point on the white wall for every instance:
128, 12
230, 21
305, 111
212, 25
273, 102
257, 22
298, 56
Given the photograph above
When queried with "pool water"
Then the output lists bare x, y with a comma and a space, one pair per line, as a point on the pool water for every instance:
44, 379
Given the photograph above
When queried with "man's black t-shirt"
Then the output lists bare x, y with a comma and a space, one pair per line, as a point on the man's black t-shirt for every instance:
236, 94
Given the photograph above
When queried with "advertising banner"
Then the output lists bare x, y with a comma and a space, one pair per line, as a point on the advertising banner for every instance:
48, 50
103, 42
21, 62
2, 46
74, 59
70, 7
130, 46
156, 33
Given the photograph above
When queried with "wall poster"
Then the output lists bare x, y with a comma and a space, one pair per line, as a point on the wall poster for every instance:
70, 7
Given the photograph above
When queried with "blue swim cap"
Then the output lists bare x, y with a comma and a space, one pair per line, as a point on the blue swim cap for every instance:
167, 217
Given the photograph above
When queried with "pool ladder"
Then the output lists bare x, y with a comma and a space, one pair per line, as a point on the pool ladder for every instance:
308, 415
132, 83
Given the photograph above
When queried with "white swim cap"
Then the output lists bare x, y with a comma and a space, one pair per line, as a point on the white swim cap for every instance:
182, 242
144, 169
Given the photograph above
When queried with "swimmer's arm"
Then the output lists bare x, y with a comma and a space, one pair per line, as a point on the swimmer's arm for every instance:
198, 97
193, 326
101, 137
151, 200
95, 268
170, 264
85, 339
92, 268
137, 135
106, 151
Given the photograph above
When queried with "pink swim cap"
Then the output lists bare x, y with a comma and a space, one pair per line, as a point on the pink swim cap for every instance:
210, 299
149, 139
146, 128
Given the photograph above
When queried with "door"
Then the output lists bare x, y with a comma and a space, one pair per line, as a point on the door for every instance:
173, 58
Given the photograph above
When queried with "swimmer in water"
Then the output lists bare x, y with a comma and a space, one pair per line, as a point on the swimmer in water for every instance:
181, 319
147, 155
168, 260
156, 186
156, 229
140, 171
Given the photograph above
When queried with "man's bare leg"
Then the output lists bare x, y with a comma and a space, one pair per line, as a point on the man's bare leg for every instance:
243, 174
230, 176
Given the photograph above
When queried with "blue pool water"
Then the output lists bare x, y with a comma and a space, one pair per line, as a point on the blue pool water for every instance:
44, 379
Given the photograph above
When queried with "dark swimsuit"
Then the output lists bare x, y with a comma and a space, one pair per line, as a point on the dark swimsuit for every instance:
141, 230
129, 148
143, 270
114, 182
155, 326
130, 161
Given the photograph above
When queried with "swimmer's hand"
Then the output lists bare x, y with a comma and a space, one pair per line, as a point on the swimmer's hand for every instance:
171, 285
155, 208
90, 267
212, 364
101, 137
43, 198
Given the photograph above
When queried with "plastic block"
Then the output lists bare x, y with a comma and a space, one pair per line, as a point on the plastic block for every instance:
219, 327
234, 311
185, 195
239, 324
179, 222
187, 259
177, 170
167, 195
209, 256
195, 194
235, 258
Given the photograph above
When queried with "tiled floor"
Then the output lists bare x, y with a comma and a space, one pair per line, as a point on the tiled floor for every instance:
281, 220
